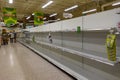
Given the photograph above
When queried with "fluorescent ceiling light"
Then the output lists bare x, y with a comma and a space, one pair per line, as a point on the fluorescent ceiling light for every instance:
89, 11
33, 14
73, 7
53, 15
28, 17
31, 21
115, 4
50, 2
10, 1
58, 19
44, 18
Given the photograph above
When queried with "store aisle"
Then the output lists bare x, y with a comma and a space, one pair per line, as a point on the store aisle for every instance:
19, 63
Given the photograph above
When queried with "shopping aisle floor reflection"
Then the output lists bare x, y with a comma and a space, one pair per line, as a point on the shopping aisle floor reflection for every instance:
19, 63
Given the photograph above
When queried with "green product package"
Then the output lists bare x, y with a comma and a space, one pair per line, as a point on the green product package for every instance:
33, 39
78, 29
111, 47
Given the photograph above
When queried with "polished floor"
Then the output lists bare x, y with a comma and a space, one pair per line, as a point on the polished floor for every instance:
19, 63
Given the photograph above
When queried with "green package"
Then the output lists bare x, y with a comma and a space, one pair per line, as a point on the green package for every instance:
78, 29
111, 47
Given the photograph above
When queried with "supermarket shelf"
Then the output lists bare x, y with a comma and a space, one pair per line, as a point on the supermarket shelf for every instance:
82, 54
61, 66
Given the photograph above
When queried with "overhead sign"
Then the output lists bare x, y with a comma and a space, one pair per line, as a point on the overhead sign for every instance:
38, 18
9, 16
67, 15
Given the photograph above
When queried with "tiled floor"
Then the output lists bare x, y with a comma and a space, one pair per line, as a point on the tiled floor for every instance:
19, 63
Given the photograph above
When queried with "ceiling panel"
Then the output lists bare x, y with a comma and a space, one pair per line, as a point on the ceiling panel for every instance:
27, 7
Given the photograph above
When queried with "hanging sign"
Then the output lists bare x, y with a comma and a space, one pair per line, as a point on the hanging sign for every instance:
38, 18
67, 15
9, 16
111, 47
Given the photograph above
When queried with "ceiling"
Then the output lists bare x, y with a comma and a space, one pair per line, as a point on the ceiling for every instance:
27, 7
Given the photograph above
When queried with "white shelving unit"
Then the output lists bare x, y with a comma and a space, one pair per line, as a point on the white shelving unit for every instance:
82, 54
99, 22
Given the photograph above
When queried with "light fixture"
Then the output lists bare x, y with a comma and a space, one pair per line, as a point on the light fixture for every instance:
31, 20
115, 4
89, 11
50, 2
33, 14
58, 19
10, 1
28, 17
44, 18
73, 7
53, 14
